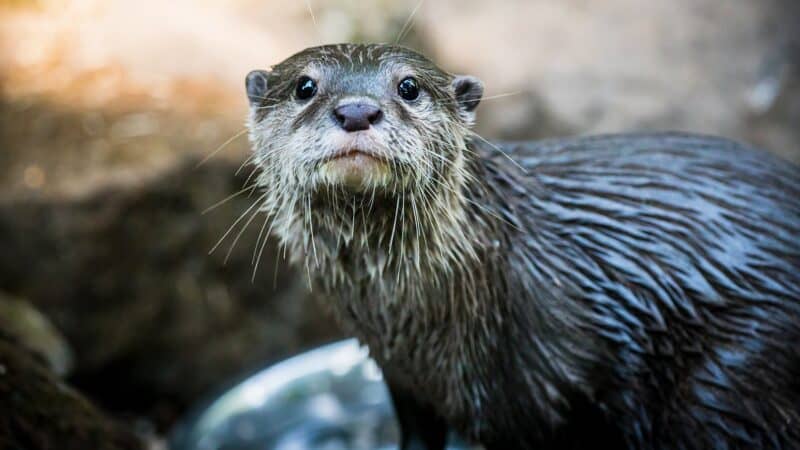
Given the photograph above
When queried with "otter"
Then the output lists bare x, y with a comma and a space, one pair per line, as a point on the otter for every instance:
617, 291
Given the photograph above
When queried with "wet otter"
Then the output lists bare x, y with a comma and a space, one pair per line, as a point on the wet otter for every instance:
628, 291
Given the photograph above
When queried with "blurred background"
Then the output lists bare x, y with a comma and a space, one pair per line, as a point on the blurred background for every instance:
110, 112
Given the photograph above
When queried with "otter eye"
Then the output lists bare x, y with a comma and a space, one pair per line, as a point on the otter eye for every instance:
306, 88
408, 89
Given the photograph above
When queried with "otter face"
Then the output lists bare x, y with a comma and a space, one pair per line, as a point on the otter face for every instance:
358, 119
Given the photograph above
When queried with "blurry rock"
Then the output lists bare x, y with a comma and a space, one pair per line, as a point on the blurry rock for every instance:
39, 412
154, 320
28, 326
134, 125
623, 65
774, 101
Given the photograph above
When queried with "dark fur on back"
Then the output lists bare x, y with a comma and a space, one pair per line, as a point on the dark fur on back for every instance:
677, 261
638, 291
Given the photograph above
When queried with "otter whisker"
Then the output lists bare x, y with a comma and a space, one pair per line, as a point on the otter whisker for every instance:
419, 233
239, 235
394, 225
506, 155
491, 97
436, 155
265, 98
249, 177
402, 234
266, 107
408, 23
353, 215
260, 252
221, 147
260, 235
228, 198
236, 222
475, 203
268, 99
313, 18
365, 213
244, 163
311, 229
263, 245
308, 274
274, 271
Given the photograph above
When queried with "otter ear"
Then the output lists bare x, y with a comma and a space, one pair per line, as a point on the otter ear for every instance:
469, 91
256, 85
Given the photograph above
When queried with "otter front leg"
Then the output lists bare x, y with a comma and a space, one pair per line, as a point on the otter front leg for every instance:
421, 428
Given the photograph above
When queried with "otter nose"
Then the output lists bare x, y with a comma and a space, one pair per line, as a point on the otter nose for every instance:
357, 116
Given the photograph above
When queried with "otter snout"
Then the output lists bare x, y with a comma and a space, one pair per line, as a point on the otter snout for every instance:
357, 116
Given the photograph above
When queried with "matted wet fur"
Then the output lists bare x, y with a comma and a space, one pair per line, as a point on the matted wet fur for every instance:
637, 291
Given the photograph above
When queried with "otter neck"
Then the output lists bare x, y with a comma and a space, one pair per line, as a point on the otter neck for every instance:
405, 244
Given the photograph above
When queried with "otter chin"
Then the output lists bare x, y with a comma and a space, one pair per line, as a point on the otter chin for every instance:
356, 170
633, 291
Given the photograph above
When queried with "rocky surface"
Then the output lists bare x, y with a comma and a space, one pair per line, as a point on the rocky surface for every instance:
154, 320
20, 320
38, 411
621, 65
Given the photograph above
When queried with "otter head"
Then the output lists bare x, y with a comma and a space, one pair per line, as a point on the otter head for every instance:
346, 130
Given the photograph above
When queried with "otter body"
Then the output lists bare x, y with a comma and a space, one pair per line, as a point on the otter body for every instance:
631, 291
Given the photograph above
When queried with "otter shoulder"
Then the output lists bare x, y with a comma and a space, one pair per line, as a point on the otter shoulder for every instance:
688, 163
619, 146
683, 200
